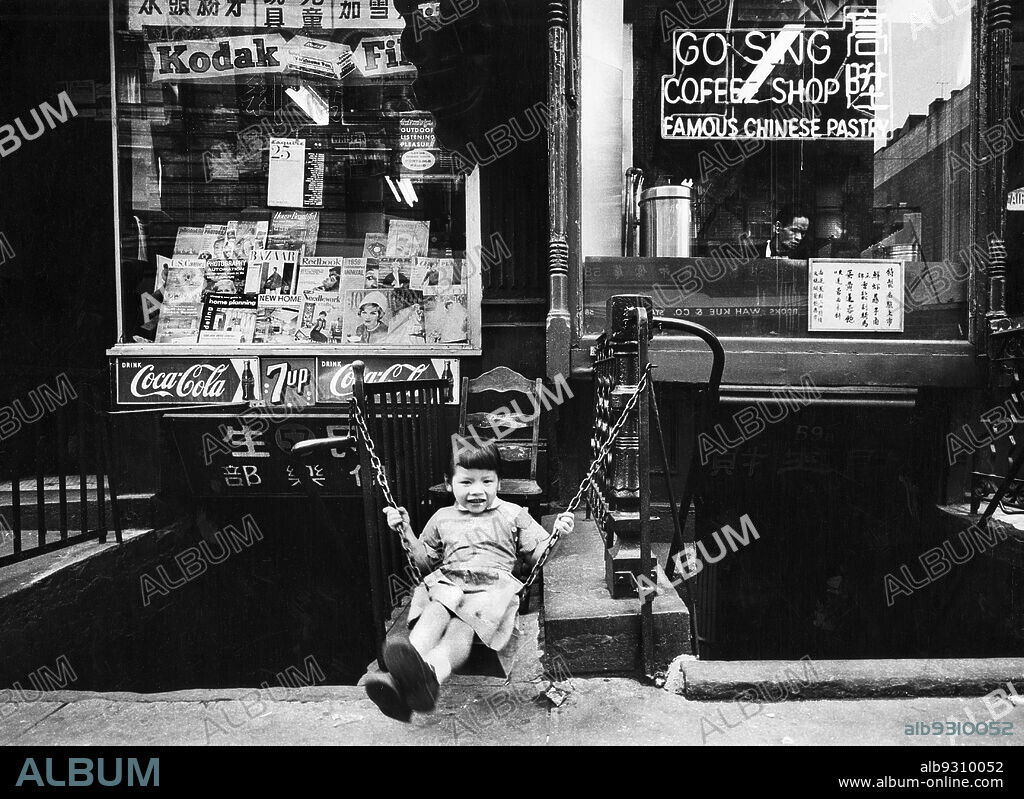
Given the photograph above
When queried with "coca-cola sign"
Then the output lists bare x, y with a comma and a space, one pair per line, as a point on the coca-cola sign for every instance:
335, 377
182, 381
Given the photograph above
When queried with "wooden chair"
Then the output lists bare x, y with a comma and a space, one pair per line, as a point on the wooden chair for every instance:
501, 424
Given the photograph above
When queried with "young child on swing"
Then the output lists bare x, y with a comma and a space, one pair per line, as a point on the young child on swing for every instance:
472, 548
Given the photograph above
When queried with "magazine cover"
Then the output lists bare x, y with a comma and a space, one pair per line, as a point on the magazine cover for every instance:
438, 275
277, 318
395, 273
294, 230
353, 273
178, 323
214, 239
225, 277
228, 319
388, 316
320, 275
375, 245
189, 242
242, 238
271, 272
447, 318
321, 321
184, 282
407, 238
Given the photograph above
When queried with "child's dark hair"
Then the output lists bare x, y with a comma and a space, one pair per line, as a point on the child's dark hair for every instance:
472, 456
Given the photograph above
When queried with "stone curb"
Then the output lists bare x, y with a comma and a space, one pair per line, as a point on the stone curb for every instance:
781, 680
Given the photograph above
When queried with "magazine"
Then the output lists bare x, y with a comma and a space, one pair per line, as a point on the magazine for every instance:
241, 238
189, 242
227, 319
322, 319
271, 272
184, 282
438, 275
294, 230
214, 238
384, 316
320, 275
447, 318
178, 323
353, 273
407, 238
375, 245
395, 273
277, 318
225, 277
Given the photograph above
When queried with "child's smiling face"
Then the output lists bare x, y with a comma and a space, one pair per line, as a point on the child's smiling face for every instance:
474, 489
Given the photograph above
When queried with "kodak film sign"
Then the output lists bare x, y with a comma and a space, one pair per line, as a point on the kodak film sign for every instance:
218, 58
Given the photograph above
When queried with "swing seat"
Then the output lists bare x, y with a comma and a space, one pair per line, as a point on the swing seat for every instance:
483, 661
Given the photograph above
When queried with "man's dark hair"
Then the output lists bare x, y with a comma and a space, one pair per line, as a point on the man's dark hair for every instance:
485, 456
790, 211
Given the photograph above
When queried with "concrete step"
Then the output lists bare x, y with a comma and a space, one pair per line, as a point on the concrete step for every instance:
23, 573
136, 510
590, 631
779, 680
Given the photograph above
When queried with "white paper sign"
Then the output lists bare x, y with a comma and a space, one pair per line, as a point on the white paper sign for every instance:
287, 167
855, 296
1015, 200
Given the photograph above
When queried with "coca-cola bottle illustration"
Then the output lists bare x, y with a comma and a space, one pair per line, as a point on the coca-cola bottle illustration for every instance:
248, 384
449, 380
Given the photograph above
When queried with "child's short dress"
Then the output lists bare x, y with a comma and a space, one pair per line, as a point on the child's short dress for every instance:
477, 553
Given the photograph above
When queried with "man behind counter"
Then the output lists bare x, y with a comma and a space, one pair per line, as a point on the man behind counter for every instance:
789, 234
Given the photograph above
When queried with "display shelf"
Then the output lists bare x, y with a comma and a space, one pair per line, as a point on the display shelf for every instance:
284, 350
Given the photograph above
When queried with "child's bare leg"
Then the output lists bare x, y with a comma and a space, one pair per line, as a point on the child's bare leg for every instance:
429, 628
453, 650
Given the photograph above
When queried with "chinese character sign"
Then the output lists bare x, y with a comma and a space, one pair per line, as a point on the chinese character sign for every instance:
855, 296
310, 15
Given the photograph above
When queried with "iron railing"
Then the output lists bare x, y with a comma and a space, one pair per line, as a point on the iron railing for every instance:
58, 484
620, 498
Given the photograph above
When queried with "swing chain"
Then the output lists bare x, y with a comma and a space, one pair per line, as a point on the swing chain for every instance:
378, 469
595, 466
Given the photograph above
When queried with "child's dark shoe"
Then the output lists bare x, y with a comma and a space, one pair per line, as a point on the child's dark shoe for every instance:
415, 677
386, 695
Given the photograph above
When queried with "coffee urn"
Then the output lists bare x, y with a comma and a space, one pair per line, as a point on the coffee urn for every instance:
663, 215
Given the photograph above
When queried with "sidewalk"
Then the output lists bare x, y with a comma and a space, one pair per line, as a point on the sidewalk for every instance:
611, 710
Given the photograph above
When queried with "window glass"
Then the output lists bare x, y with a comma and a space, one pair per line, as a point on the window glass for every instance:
279, 184
823, 148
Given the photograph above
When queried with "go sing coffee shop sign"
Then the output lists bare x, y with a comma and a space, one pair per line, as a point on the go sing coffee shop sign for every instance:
795, 82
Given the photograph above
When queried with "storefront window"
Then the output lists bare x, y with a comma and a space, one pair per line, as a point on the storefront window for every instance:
279, 187
824, 153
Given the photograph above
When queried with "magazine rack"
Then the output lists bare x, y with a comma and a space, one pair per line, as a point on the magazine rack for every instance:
282, 209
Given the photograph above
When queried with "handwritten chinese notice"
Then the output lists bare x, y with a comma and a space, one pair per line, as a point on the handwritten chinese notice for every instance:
855, 296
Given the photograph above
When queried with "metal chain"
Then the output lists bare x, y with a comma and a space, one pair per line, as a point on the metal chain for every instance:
595, 465
380, 474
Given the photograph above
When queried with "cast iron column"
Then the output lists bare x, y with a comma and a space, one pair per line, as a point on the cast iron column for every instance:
558, 328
